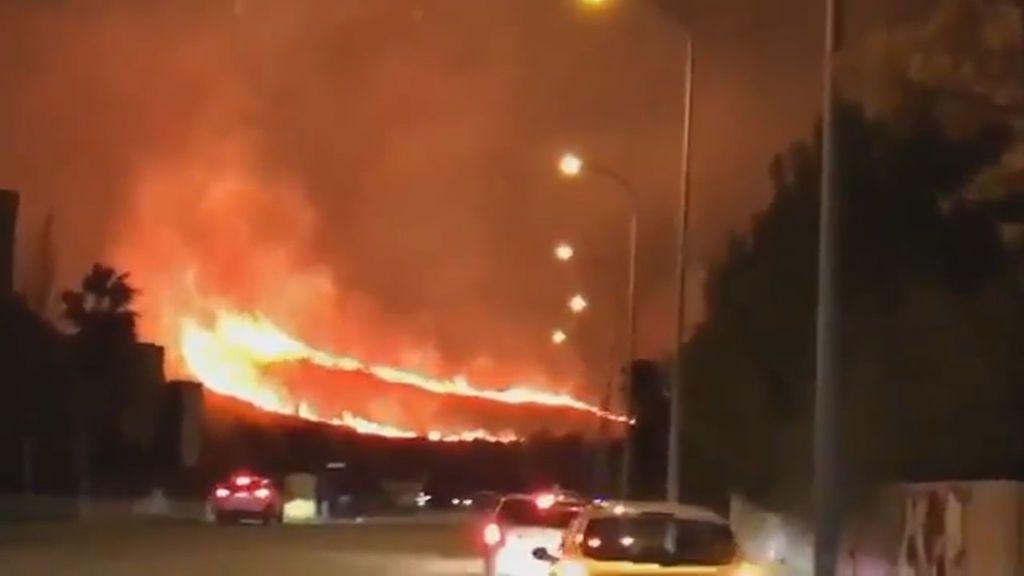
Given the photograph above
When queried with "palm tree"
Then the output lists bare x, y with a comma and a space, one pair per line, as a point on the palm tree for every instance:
104, 325
101, 308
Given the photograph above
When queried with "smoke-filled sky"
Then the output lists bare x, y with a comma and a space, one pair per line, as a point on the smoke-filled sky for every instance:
379, 174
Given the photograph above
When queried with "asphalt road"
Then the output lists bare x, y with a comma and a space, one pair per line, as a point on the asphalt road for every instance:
193, 549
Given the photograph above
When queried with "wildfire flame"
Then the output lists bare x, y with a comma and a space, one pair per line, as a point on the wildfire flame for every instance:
210, 265
231, 356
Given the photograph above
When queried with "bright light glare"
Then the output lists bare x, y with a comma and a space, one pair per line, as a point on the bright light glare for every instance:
299, 510
573, 569
749, 570
619, 510
593, 542
578, 303
564, 252
627, 541
456, 501
262, 493
222, 493
421, 499
559, 336
242, 481
570, 165
492, 534
545, 501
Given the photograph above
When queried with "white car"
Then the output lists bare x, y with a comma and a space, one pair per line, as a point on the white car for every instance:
523, 523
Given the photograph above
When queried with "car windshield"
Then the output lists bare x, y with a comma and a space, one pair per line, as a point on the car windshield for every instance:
523, 512
660, 539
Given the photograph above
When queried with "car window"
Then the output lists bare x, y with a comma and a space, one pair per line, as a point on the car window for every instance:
658, 538
522, 512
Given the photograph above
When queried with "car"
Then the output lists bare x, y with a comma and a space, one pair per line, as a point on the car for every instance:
246, 496
652, 538
522, 523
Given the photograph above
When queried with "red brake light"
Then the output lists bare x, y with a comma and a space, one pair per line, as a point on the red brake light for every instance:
492, 534
242, 480
222, 492
262, 493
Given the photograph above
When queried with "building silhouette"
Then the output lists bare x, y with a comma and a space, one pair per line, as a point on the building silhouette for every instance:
8, 218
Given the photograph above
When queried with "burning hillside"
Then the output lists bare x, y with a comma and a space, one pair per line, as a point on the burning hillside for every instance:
242, 357
225, 285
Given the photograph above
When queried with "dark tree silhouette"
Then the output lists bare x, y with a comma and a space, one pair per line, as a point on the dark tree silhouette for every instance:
101, 307
929, 342
101, 315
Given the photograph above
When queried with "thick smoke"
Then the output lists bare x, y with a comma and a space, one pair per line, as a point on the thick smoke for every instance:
376, 174
355, 171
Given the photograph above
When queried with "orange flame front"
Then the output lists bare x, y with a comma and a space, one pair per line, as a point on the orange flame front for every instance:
231, 356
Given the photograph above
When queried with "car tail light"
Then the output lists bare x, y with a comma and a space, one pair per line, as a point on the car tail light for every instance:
262, 493
242, 480
492, 534
222, 492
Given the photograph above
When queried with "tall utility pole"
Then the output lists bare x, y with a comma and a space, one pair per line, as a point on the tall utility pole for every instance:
628, 383
827, 518
675, 430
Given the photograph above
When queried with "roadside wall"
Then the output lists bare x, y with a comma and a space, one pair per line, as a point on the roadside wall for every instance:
930, 529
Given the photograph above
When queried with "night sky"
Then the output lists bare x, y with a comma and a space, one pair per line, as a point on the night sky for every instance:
416, 141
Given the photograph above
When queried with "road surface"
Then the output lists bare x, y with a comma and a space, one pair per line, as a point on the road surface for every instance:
150, 548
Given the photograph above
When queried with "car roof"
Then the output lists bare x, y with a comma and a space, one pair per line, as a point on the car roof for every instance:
621, 508
566, 498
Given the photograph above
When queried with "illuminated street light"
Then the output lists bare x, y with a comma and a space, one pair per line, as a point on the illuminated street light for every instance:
578, 304
575, 165
558, 337
564, 252
570, 165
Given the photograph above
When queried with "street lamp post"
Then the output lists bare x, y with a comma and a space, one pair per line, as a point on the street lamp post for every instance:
571, 165
672, 476
565, 252
673, 462
627, 395
827, 516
